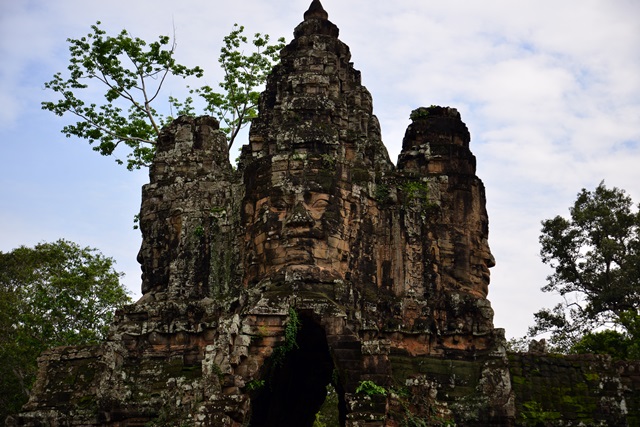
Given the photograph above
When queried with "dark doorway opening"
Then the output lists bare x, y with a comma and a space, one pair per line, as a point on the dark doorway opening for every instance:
296, 388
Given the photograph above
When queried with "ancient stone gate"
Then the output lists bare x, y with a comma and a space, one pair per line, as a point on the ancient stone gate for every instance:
318, 262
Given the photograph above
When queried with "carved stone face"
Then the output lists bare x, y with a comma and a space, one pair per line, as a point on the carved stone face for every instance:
480, 266
481, 259
293, 228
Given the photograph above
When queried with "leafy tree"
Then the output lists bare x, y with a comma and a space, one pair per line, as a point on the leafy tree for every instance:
131, 71
134, 72
50, 295
610, 342
243, 74
596, 260
518, 345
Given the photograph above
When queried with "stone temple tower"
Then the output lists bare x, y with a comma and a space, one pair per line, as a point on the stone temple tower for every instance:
317, 265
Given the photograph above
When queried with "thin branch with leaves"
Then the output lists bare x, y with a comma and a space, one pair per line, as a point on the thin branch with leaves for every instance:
127, 66
134, 73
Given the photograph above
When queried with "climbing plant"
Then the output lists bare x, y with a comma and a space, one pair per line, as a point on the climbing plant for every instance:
290, 334
371, 389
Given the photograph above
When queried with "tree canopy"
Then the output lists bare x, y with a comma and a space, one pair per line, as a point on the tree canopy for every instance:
595, 255
243, 75
132, 72
50, 295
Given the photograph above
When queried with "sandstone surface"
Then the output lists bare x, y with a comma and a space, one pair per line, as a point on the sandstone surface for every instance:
318, 263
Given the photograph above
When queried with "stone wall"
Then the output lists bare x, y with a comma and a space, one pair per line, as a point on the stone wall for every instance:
576, 390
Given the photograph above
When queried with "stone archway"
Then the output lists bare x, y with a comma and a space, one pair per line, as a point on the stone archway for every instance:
296, 388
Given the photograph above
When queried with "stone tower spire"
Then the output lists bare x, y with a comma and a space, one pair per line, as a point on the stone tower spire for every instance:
315, 136
316, 11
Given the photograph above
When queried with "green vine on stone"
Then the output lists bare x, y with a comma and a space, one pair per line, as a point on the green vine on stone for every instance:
417, 192
199, 231
255, 385
533, 414
290, 334
382, 193
328, 161
371, 389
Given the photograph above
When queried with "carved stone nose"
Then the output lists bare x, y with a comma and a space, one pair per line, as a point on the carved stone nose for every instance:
299, 217
491, 261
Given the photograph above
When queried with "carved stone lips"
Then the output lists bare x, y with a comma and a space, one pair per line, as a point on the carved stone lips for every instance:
298, 256
301, 233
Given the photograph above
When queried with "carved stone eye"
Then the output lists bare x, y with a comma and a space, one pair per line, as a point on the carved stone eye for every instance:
279, 206
320, 203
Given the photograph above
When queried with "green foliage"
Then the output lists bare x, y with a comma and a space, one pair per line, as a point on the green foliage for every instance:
318, 421
243, 75
255, 385
199, 231
50, 295
291, 330
518, 345
290, 334
423, 112
416, 190
411, 420
616, 344
533, 414
133, 73
417, 193
328, 161
328, 415
630, 321
382, 193
596, 260
421, 410
371, 389
419, 113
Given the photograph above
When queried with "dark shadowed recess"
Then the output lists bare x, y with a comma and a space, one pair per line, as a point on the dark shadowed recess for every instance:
296, 388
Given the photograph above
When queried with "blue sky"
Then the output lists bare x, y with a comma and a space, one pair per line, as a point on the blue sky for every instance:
549, 90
